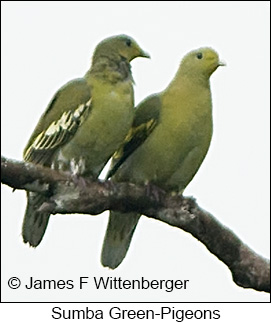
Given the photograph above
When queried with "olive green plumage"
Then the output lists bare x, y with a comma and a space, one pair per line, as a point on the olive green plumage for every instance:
85, 122
166, 145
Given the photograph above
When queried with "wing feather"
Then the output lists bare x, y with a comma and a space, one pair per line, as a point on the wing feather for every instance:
49, 136
146, 119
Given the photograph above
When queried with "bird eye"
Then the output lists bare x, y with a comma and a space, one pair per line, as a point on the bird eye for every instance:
199, 55
128, 42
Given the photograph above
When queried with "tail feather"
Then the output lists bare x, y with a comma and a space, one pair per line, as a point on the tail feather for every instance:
119, 233
35, 223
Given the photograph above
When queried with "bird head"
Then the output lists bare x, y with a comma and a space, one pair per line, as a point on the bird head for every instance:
121, 46
203, 61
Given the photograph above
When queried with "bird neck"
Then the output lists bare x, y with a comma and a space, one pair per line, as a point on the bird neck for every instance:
110, 69
191, 77
189, 95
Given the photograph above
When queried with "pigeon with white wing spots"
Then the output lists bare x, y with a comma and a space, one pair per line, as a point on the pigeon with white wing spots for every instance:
85, 122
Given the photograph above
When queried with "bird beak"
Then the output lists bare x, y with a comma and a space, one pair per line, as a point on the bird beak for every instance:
222, 63
144, 54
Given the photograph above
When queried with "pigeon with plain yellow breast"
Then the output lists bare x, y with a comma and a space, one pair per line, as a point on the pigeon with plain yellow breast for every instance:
166, 145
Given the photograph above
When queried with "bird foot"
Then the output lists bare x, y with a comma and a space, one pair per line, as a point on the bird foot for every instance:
79, 181
154, 192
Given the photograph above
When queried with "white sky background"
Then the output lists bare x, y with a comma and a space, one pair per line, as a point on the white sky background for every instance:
44, 45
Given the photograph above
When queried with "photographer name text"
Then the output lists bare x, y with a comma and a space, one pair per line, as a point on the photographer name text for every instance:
113, 283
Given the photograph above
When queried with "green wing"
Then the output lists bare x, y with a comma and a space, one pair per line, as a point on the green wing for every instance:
146, 118
66, 112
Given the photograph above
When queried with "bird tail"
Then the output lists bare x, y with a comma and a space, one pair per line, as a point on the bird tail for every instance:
119, 233
35, 222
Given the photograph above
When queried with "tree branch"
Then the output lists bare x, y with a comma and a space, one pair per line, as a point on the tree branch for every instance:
80, 195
